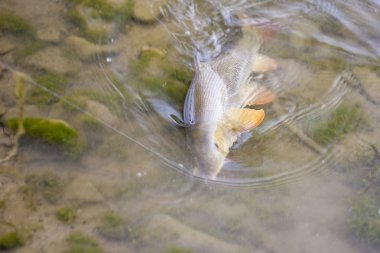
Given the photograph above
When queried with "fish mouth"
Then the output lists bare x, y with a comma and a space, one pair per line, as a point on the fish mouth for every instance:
204, 174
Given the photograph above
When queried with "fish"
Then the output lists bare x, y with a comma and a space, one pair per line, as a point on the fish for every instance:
216, 104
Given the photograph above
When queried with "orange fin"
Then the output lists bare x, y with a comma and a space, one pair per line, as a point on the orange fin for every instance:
263, 63
261, 96
245, 119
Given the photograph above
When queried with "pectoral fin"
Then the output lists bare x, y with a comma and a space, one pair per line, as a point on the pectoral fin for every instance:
242, 120
263, 63
260, 96
236, 121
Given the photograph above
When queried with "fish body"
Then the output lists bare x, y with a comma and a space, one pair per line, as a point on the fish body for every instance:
215, 105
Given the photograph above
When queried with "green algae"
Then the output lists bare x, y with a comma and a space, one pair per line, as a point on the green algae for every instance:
66, 214
52, 132
11, 240
113, 226
346, 118
364, 220
80, 243
13, 24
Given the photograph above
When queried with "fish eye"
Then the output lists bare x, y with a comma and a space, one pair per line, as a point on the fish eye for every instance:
256, 76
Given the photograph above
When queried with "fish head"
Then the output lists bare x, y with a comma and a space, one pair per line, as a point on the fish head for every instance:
209, 156
212, 142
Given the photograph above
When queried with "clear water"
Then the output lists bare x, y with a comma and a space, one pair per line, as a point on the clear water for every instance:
306, 180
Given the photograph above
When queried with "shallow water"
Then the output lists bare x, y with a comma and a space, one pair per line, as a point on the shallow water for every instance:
306, 180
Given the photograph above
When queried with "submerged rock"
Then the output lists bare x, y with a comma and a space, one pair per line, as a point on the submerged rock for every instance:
146, 11
175, 232
101, 112
113, 226
5, 46
53, 59
49, 34
83, 191
85, 49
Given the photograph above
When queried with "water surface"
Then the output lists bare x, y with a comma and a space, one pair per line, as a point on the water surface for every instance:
306, 180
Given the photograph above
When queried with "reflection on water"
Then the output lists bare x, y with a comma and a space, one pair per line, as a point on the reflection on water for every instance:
115, 173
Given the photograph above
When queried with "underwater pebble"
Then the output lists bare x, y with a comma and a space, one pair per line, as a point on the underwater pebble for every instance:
147, 11
53, 59
85, 49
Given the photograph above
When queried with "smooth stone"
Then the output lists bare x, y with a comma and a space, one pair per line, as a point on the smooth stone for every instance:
83, 191
49, 34
85, 49
53, 59
177, 233
101, 112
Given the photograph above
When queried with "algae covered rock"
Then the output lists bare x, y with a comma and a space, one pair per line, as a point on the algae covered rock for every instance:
53, 132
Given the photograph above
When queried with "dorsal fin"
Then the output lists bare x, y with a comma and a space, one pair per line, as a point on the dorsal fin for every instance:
263, 63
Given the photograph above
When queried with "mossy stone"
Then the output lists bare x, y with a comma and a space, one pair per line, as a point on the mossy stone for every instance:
52, 132
10, 240
113, 226
13, 24
80, 243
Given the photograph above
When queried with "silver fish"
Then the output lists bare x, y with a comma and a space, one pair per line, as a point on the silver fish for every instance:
215, 104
